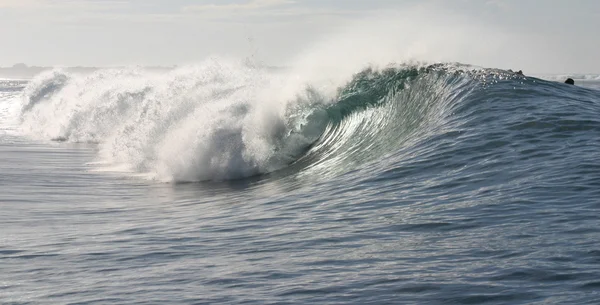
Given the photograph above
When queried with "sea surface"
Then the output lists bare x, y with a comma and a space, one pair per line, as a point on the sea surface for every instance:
227, 183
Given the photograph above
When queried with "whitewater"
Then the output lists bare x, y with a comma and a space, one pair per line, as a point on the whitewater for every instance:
367, 178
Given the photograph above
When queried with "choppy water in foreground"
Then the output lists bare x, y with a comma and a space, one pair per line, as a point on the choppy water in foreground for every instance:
434, 185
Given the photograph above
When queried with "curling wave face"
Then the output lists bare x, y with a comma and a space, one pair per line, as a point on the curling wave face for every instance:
221, 120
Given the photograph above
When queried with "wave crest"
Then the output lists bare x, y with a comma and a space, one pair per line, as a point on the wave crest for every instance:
221, 120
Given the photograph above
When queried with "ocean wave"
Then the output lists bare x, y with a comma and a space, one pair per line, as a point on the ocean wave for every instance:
223, 120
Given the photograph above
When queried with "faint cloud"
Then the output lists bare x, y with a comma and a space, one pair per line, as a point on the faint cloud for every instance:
250, 5
63, 4
265, 11
501, 4
61, 11
19, 3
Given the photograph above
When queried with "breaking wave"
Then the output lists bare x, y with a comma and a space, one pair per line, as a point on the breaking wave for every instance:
222, 120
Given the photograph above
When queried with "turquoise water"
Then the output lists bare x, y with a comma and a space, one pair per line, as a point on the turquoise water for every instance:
442, 184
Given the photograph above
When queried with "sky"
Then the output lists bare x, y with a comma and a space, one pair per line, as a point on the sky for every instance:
538, 36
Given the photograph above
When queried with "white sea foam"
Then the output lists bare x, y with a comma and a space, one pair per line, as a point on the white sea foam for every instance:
215, 120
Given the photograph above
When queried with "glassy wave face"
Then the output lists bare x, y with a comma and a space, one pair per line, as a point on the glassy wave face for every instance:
221, 120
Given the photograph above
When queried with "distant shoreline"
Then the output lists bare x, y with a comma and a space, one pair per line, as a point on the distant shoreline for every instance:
22, 71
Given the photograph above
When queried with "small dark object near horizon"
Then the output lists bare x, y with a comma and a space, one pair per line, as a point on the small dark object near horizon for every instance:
570, 81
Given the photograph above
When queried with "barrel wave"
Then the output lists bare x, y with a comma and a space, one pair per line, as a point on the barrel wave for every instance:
221, 120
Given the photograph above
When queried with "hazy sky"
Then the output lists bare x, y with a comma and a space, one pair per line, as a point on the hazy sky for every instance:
533, 35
